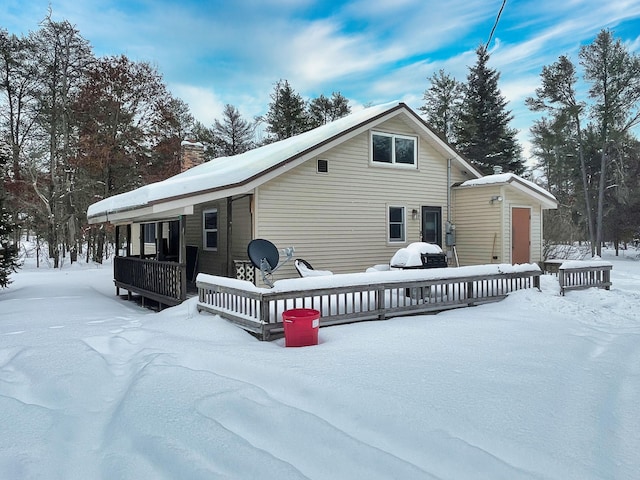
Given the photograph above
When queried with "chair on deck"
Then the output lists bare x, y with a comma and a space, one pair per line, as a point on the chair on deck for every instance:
305, 269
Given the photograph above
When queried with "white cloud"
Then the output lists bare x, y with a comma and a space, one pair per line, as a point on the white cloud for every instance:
517, 89
205, 105
321, 53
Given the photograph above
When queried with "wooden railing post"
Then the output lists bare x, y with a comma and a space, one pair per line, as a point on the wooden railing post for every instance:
469, 290
182, 257
380, 302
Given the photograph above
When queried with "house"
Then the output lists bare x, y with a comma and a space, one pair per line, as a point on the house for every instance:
346, 195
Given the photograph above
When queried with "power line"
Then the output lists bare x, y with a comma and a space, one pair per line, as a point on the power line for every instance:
495, 24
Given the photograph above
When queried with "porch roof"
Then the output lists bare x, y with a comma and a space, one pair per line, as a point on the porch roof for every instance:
240, 174
525, 186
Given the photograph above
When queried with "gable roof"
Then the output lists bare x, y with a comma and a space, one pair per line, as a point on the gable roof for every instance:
227, 176
525, 186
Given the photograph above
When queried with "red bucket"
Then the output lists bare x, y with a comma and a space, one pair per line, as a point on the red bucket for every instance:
301, 327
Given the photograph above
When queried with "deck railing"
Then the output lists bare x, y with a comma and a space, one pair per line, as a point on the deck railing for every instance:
357, 297
578, 275
164, 282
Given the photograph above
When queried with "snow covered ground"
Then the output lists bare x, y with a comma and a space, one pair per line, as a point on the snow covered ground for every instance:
535, 387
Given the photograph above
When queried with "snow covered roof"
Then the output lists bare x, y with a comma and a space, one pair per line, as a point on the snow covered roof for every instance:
241, 173
516, 181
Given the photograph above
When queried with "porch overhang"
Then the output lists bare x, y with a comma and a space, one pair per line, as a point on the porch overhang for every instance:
546, 200
142, 214
170, 207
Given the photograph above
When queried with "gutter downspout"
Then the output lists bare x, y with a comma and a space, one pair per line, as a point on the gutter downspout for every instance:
229, 236
448, 194
449, 234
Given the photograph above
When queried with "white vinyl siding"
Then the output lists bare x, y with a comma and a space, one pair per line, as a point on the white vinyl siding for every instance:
337, 220
479, 238
483, 229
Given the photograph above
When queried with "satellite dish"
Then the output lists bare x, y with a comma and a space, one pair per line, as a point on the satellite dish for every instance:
263, 251
264, 255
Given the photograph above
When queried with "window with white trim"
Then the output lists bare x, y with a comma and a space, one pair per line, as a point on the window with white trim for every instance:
210, 229
397, 224
394, 149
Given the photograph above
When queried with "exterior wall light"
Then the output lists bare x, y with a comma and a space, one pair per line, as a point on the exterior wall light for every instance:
495, 198
414, 214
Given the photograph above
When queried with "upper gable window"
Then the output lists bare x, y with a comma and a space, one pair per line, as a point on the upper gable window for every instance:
394, 149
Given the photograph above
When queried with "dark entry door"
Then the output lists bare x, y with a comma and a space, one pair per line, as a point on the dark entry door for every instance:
432, 225
520, 235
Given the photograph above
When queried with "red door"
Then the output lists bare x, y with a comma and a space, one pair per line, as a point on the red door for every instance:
520, 235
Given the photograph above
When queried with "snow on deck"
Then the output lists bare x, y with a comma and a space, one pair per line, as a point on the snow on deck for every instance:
368, 278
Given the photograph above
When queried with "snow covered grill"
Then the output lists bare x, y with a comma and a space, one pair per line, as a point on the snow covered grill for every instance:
419, 255
434, 260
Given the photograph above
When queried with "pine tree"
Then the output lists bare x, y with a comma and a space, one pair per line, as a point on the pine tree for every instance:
8, 251
443, 103
484, 135
613, 74
234, 133
558, 97
324, 110
287, 113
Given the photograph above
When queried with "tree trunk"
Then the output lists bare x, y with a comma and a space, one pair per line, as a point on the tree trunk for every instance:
89, 243
54, 248
585, 186
99, 246
601, 187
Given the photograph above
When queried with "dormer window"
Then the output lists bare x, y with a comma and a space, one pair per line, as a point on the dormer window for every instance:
394, 149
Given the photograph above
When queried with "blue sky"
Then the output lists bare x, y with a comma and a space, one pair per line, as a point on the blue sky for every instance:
215, 52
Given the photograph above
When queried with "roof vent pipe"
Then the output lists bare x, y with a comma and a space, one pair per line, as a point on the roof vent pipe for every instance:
497, 169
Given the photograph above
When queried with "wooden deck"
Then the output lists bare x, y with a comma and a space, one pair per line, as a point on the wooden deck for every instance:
575, 275
162, 282
259, 310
